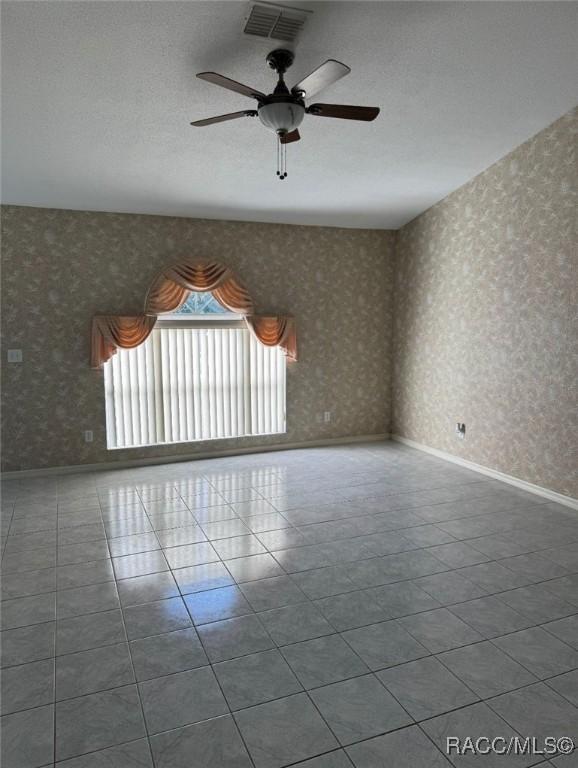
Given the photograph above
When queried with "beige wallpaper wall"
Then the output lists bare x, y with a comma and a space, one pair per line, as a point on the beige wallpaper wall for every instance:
486, 316
61, 267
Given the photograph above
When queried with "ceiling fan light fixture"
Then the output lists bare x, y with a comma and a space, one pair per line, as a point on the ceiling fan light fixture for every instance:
281, 116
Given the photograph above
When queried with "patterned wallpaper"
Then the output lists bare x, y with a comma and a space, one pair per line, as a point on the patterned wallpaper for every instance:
486, 316
60, 267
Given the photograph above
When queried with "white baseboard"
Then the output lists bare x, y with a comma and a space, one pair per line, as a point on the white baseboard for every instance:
559, 498
128, 463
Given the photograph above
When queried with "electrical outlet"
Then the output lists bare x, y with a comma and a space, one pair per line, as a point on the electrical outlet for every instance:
88, 436
14, 356
327, 416
460, 430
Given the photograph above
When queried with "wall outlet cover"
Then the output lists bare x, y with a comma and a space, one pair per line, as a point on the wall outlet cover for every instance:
14, 356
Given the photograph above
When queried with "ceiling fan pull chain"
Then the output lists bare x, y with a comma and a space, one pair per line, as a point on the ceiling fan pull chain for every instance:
278, 140
281, 159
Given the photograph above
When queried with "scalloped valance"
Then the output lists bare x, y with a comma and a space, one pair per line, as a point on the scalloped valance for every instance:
170, 290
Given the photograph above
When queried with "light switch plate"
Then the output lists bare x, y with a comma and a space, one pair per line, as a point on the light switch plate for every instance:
14, 355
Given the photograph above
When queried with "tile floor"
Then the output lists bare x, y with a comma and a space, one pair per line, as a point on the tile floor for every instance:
346, 606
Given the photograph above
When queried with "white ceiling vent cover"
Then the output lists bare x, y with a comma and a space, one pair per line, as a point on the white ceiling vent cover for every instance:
278, 22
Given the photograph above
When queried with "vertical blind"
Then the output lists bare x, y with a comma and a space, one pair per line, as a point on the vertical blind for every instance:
186, 384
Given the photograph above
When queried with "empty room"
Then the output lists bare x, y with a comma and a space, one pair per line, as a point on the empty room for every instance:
289, 369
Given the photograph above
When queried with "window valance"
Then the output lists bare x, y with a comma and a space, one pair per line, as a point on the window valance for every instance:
169, 290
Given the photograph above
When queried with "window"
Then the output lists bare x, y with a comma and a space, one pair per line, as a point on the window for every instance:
202, 304
201, 375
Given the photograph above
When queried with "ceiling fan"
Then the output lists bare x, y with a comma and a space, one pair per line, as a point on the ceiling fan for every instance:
283, 110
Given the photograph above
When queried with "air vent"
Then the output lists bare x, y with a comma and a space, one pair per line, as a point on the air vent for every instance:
278, 22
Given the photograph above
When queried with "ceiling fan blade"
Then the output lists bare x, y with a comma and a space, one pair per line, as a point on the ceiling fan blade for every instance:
327, 74
231, 85
343, 111
289, 137
224, 118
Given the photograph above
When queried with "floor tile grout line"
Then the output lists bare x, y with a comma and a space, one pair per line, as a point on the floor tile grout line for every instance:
448, 605
502, 717
312, 600
406, 510
134, 676
175, 474
302, 547
5, 537
337, 520
284, 645
363, 589
446, 569
430, 655
374, 674
510, 656
291, 574
372, 557
430, 739
539, 625
548, 681
436, 504
103, 749
354, 500
368, 673
468, 686
215, 676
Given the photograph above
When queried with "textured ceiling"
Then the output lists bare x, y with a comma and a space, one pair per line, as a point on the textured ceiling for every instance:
97, 99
